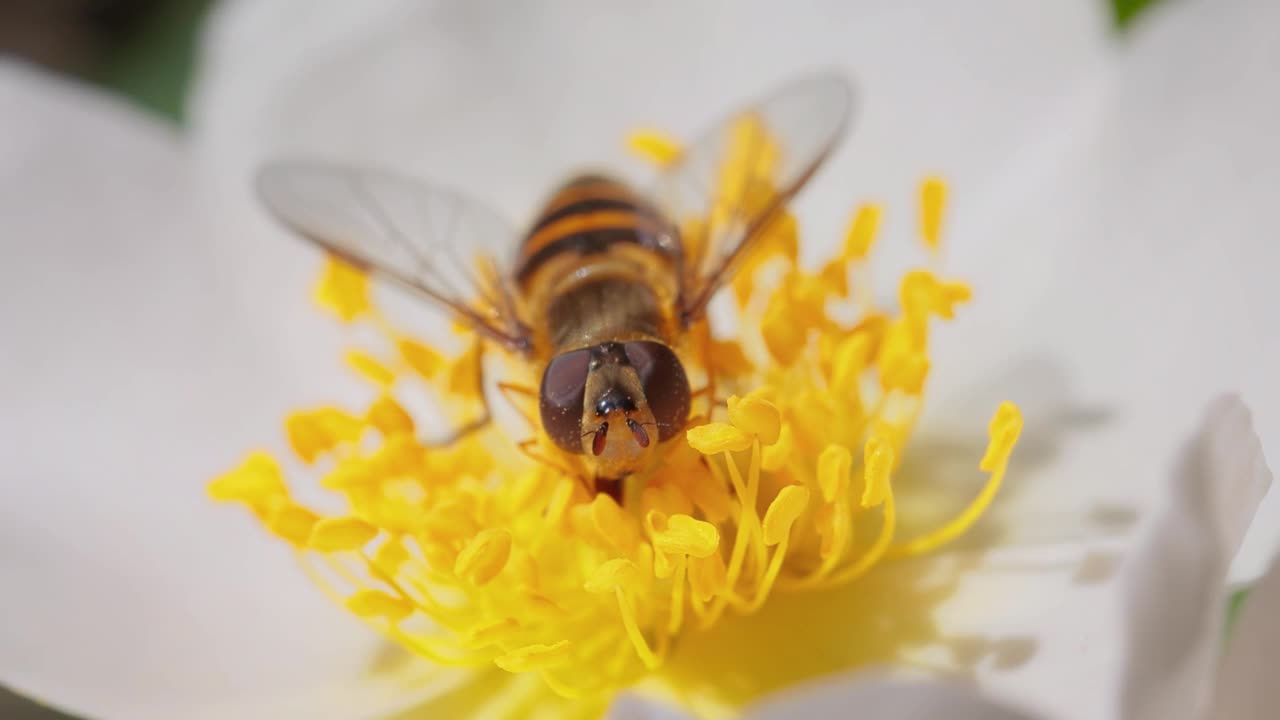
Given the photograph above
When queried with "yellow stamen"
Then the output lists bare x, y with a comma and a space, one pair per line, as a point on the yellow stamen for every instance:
314, 433
291, 522
683, 535
756, 416
334, 534
878, 459
254, 483
533, 657
783, 511
634, 634
616, 574
465, 375
484, 557
1004, 430
389, 418
377, 604
469, 556
422, 359
1006, 425
370, 367
654, 146
862, 232
784, 337
933, 200
343, 290
716, 438
778, 454
833, 472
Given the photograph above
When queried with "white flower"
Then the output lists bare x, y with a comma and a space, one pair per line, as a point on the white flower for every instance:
1177, 666
1111, 213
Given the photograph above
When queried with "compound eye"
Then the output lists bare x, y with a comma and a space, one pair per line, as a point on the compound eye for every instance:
666, 387
560, 400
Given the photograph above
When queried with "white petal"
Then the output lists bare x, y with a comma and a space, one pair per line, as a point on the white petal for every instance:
133, 373
1118, 293
630, 706
891, 700
1032, 626
1177, 593
502, 100
1246, 687
1109, 380
431, 87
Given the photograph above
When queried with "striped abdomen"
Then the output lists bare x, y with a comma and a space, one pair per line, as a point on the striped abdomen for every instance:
598, 265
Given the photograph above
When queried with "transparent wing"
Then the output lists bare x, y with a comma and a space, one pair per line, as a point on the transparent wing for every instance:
728, 184
449, 248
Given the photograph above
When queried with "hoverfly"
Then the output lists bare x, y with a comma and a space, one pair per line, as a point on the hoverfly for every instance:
599, 292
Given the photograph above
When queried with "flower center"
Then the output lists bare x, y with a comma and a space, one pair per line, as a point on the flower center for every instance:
473, 558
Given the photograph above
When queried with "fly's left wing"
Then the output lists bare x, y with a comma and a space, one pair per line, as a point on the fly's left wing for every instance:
450, 249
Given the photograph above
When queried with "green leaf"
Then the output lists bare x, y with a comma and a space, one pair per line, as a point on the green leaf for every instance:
1234, 603
17, 707
154, 66
1124, 12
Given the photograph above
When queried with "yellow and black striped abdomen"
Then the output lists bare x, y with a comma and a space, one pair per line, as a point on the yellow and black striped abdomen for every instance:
598, 265
588, 216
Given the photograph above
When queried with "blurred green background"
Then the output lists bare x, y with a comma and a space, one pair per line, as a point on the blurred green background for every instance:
145, 51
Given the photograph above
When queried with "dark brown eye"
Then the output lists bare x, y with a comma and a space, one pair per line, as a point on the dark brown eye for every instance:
666, 387
560, 400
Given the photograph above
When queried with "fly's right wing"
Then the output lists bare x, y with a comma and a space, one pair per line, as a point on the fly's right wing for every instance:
446, 247
729, 183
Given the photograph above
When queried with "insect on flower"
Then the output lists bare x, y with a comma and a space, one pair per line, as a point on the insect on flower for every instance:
603, 293
761, 459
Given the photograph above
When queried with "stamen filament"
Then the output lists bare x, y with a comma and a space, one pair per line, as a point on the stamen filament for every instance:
878, 550
650, 659
770, 575
677, 595
958, 525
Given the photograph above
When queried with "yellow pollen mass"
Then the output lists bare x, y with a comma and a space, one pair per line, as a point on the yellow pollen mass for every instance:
255, 483
484, 556
878, 461
933, 200
422, 359
343, 290
333, 534
370, 367
472, 555
862, 232
654, 145
684, 535
783, 511
376, 604
292, 523
833, 471
389, 418
718, 437
757, 417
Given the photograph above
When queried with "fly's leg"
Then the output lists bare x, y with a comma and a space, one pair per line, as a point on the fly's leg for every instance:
459, 433
512, 392
712, 404
710, 388
479, 423
528, 447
